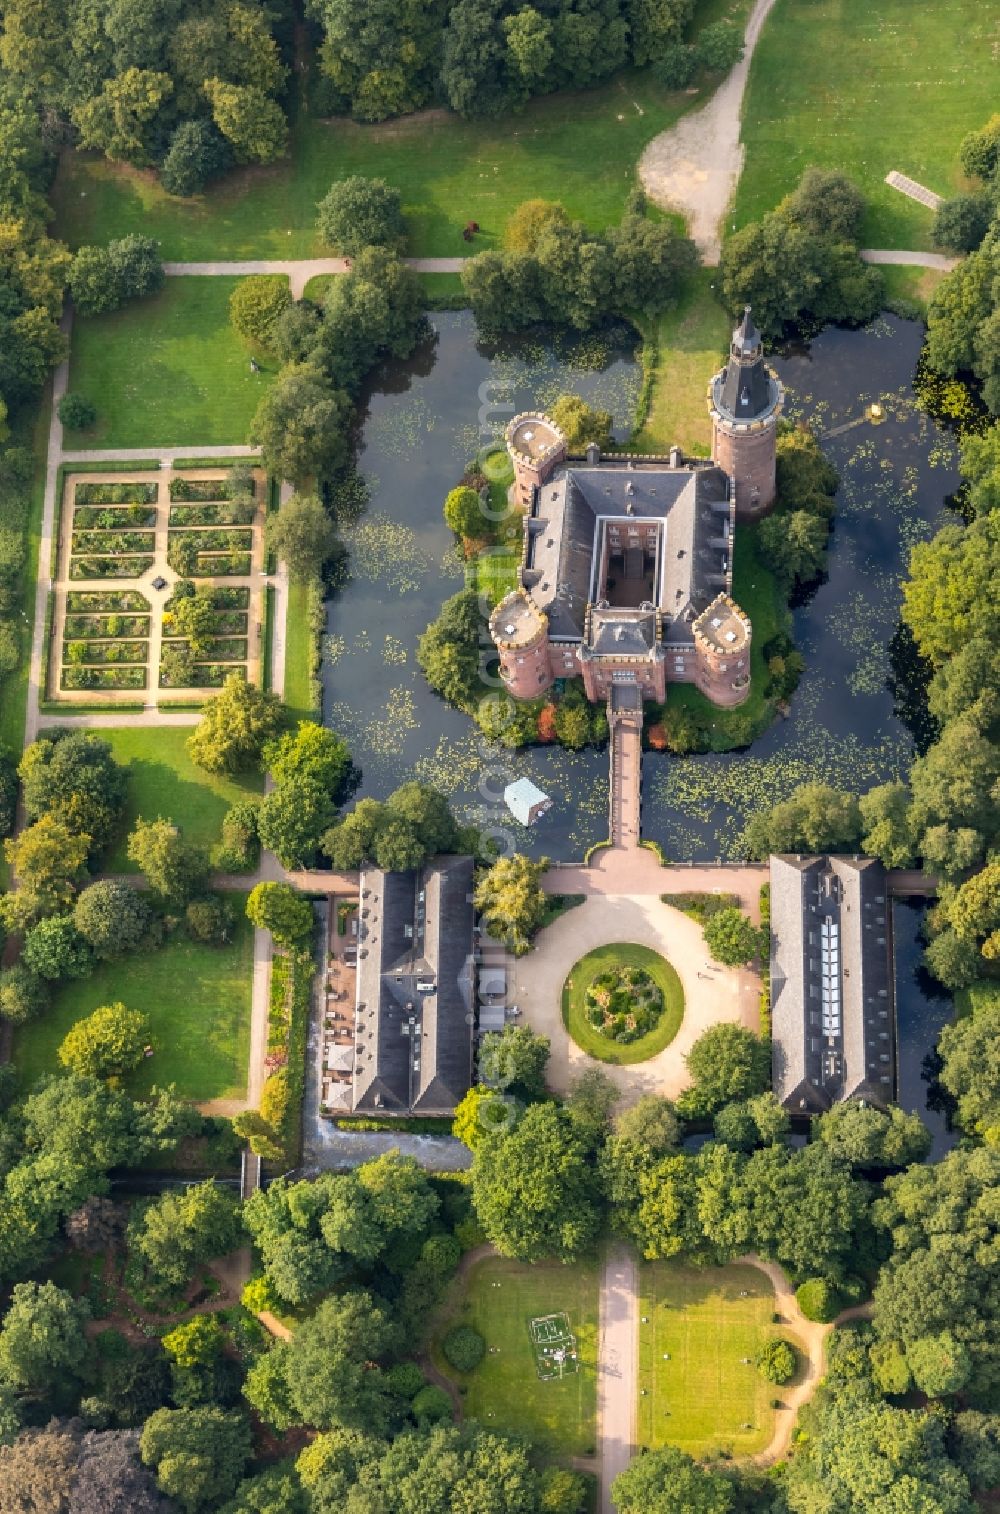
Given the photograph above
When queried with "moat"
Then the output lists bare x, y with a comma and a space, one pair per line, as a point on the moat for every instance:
425, 418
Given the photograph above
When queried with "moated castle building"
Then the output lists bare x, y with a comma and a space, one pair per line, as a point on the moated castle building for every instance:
626, 571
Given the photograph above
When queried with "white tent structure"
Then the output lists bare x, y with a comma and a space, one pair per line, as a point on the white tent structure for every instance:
526, 801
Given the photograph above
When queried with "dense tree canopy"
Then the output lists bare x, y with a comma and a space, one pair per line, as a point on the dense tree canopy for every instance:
73, 777
535, 1188
801, 260
311, 768
357, 212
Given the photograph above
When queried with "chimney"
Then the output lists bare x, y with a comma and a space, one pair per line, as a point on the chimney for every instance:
676, 457
593, 454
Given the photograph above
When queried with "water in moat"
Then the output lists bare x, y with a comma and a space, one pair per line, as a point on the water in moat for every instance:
426, 418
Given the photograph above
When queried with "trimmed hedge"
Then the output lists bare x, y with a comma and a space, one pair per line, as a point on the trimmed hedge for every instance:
464, 1348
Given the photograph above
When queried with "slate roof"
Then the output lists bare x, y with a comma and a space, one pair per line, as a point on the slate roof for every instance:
415, 989
832, 1000
745, 390
563, 529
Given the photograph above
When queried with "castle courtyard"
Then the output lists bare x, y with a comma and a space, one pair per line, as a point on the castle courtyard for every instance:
711, 993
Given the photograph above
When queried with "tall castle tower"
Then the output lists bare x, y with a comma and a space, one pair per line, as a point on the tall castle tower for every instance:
745, 400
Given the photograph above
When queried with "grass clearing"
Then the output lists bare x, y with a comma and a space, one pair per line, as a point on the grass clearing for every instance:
162, 780
499, 1298
756, 592
298, 646
689, 345
696, 1390
607, 959
198, 1002
865, 89
579, 148
909, 290
170, 370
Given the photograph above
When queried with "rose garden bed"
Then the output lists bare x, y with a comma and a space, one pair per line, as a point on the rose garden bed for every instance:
110, 567
131, 677
83, 652
99, 627
116, 494
109, 601
622, 1003
221, 513
112, 517
106, 542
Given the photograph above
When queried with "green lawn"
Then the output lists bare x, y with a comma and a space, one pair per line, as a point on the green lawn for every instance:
198, 1002
910, 289
558, 1417
690, 344
699, 1393
162, 780
168, 371
868, 88
298, 642
756, 592
604, 959
580, 149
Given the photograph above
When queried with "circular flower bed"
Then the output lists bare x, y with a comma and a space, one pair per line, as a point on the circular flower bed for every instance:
622, 1003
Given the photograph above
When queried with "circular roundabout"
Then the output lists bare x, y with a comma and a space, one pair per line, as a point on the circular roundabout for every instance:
622, 1003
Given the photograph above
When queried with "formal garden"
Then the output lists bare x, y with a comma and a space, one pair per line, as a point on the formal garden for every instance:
485, 1343
147, 598
701, 1332
622, 1003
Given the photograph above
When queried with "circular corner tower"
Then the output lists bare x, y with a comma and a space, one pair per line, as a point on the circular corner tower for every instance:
521, 633
745, 400
536, 447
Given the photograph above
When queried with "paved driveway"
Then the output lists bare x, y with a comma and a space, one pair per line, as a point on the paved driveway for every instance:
720, 994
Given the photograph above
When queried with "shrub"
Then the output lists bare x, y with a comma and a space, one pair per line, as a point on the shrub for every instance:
675, 67
105, 278
23, 994
818, 1300
431, 1405
776, 1362
10, 649
405, 1379
256, 305
962, 222
198, 152
209, 920
464, 1348
719, 46
359, 212
76, 413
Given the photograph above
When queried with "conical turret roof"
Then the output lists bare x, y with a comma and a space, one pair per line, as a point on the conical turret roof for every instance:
746, 343
745, 390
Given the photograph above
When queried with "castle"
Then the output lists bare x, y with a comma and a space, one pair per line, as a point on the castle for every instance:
626, 570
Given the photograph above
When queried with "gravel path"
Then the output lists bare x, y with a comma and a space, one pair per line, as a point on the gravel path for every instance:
710, 995
890, 256
298, 271
695, 166
617, 1367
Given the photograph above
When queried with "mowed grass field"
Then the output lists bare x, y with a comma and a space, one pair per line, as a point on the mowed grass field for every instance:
198, 1002
698, 1392
167, 371
865, 89
504, 1393
162, 780
579, 148
691, 342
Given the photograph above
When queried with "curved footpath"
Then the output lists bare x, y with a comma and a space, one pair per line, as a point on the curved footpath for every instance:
618, 1360
695, 166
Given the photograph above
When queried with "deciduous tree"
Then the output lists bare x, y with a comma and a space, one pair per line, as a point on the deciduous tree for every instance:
107, 1043
235, 727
